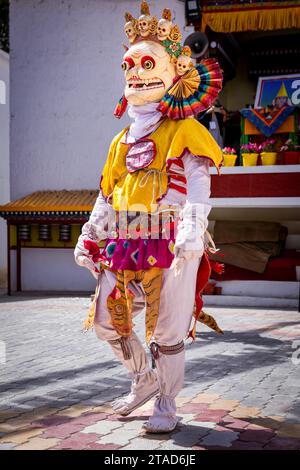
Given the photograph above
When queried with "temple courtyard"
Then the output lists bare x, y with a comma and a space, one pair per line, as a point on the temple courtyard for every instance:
56, 382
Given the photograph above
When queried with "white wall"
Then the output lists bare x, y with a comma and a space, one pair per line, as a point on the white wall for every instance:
4, 158
50, 268
65, 82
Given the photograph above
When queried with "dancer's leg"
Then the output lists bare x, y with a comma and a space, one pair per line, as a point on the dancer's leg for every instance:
129, 351
175, 315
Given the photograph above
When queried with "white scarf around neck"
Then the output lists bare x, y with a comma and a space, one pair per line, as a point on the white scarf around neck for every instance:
146, 118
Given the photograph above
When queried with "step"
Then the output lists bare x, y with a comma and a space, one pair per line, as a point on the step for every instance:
250, 301
265, 289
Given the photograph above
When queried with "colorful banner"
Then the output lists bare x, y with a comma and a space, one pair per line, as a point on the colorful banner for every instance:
267, 121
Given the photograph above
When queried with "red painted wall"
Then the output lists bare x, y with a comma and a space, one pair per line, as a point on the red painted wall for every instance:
256, 185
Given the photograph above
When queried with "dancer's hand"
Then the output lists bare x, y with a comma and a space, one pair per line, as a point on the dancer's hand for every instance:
83, 260
177, 265
181, 256
97, 228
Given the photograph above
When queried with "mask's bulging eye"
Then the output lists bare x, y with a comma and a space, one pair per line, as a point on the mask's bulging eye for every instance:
148, 63
127, 64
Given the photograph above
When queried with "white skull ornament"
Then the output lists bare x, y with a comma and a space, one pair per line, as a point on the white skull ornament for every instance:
130, 31
183, 64
144, 25
163, 29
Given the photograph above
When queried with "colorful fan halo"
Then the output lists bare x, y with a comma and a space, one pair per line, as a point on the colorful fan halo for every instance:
193, 92
121, 107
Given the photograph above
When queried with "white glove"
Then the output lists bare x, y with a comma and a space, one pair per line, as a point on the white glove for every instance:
98, 227
189, 242
191, 228
83, 260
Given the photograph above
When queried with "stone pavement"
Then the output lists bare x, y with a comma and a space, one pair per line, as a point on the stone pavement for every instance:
56, 383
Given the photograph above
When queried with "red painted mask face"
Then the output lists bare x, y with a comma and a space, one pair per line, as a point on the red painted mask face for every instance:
148, 71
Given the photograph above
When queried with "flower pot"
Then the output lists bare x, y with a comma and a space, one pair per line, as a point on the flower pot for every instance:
229, 159
268, 158
249, 159
291, 158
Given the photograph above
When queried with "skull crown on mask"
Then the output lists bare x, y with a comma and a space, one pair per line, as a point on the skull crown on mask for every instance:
155, 56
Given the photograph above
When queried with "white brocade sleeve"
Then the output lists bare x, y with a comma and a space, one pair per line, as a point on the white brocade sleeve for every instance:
191, 228
97, 228
198, 182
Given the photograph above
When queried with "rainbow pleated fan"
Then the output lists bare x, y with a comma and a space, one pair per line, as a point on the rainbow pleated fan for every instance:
193, 92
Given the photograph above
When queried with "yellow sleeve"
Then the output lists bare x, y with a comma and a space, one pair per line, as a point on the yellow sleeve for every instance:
193, 136
107, 183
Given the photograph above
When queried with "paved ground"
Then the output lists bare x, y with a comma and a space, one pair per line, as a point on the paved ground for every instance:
241, 391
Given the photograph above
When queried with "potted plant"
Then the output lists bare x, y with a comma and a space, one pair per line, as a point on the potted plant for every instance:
229, 156
291, 153
249, 154
268, 154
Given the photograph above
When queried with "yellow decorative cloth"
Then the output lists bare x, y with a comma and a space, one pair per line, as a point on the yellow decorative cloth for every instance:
147, 185
89, 321
231, 17
119, 302
209, 321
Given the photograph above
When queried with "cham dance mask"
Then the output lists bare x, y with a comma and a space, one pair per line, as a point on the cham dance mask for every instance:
157, 68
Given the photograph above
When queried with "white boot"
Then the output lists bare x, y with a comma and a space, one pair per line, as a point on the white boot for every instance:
144, 384
164, 417
144, 387
170, 370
